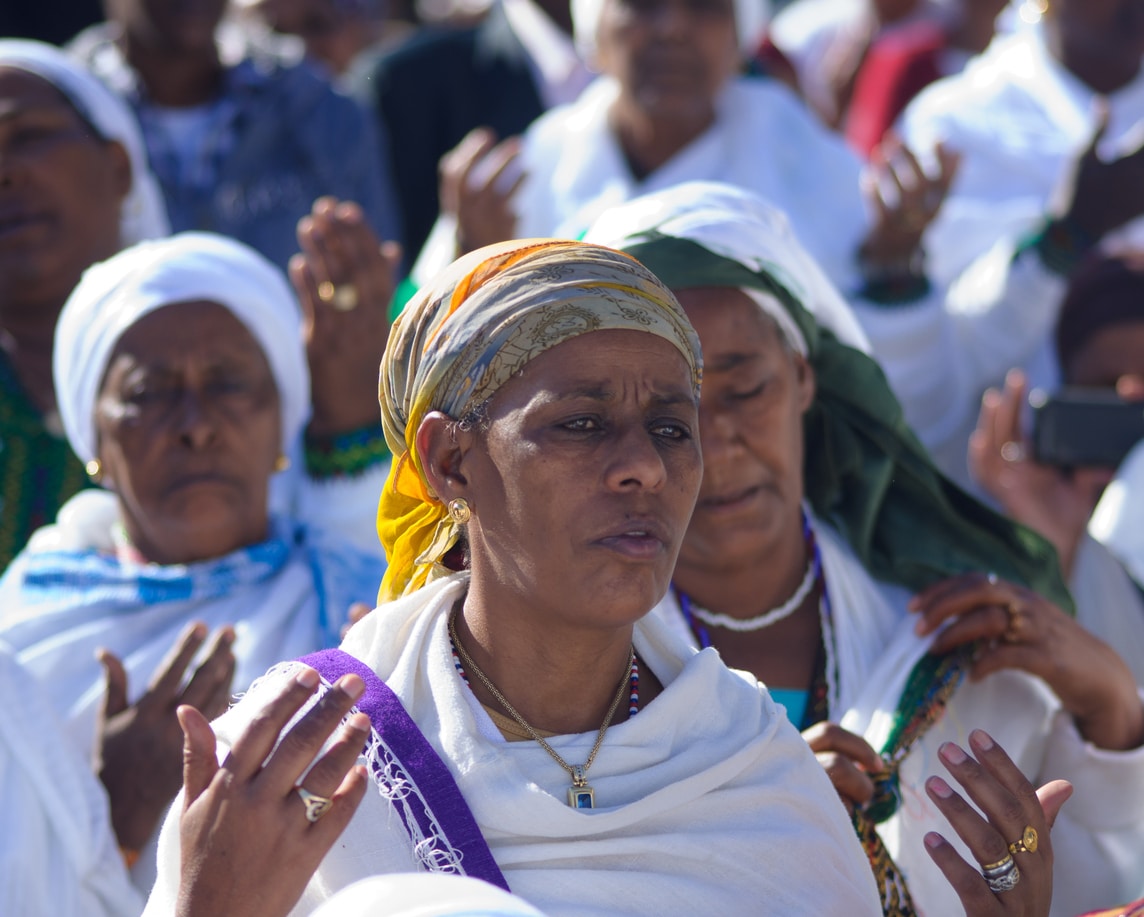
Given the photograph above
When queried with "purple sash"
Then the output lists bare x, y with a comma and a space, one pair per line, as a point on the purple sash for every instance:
450, 841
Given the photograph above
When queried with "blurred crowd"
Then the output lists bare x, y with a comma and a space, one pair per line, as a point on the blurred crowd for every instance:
907, 238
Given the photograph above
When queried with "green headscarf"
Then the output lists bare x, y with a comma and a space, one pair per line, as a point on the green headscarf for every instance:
865, 470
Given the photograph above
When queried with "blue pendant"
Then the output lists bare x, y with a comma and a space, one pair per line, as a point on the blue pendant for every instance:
581, 797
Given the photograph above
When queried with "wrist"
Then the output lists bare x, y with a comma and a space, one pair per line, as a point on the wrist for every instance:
1114, 727
897, 280
1060, 243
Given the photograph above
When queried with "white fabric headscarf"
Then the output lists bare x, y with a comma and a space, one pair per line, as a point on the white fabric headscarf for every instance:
739, 225
114, 294
751, 17
143, 215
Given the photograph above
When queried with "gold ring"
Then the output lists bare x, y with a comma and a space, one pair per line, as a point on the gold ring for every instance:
1013, 635
1000, 866
343, 297
316, 806
1026, 843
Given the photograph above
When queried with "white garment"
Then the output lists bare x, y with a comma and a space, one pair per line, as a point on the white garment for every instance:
1119, 518
764, 140
559, 73
1109, 603
1098, 840
59, 856
424, 895
1018, 119
709, 801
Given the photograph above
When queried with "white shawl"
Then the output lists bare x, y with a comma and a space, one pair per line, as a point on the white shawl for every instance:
710, 801
59, 855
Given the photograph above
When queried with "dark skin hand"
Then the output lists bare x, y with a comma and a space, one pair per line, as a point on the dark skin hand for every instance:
904, 200
1010, 803
248, 849
344, 342
473, 188
1100, 196
848, 760
1019, 629
139, 744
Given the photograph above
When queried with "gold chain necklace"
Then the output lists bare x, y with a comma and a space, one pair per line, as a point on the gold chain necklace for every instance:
580, 794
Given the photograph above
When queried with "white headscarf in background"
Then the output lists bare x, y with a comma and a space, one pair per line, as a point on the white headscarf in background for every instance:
143, 214
741, 226
115, 294
751, 17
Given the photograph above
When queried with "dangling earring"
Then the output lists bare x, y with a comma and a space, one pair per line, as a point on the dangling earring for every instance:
94, 470
281, 464
459, 510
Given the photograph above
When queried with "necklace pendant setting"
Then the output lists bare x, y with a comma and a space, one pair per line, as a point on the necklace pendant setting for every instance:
580, 795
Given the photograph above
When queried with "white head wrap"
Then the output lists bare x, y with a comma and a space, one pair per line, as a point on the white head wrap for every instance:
114, 294
751, 17
741, 226
143, 215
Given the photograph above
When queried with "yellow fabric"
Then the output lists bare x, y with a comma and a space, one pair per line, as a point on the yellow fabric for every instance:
466, 334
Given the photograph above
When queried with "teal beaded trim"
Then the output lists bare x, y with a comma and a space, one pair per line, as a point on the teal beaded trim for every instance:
1060, 244
347, 454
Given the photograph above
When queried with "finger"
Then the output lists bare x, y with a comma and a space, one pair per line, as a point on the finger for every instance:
358, 610
832, 737
330, 770
1001, 656
1009, 409
253, 746
984, 841
346, 799
998, 788
330, 260
1101, 117
168, 676
306, 289
1052, 796
870, 184
949, 162
213, 675
366, 262
200, 758
501, 159
939, 591
115, 677
305, 739
982, 624
853, 785
969, 884
962, 595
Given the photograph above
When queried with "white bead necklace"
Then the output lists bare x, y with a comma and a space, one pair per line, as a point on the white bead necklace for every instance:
767, 618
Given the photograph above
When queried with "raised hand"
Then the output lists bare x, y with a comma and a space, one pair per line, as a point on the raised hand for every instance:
140, 744
1012, 872
904, 199
478, 180
1055, 503
249, 841
344, 278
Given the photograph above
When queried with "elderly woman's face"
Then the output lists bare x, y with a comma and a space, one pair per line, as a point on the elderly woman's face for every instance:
671, 57
584, 478
755, 391
188, 429
61, 188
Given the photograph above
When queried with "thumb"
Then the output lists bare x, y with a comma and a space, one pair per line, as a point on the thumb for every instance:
115, 676
1052, 796
200, 761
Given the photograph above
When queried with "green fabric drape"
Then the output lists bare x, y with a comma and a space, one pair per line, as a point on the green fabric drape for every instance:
866, 472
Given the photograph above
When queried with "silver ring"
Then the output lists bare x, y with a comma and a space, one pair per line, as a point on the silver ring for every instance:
316, 806
1005, 878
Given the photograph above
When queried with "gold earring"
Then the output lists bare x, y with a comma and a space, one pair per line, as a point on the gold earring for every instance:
94, 470
281, 463
459, 510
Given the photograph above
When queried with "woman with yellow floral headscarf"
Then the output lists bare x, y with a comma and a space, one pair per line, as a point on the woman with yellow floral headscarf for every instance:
531, 726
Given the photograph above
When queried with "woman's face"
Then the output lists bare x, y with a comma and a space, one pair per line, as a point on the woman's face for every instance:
173, 25
583, 479
671, 57
188, 430
1104, 37
61, 188
755, 392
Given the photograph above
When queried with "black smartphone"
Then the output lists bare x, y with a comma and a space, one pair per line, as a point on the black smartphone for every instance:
1085, 427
